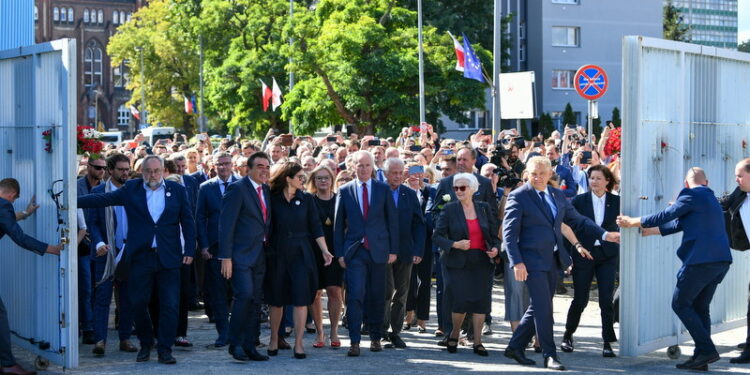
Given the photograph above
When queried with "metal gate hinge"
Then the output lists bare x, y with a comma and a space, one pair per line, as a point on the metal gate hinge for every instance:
62, 320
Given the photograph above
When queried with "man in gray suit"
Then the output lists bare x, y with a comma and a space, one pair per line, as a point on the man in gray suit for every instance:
244, 227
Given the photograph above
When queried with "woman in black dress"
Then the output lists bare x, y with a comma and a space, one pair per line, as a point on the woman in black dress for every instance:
291, 273
330, 277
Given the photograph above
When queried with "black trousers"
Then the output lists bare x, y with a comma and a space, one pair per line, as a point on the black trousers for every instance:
584, 271
186, 294
397, 279
6, 356
419, 288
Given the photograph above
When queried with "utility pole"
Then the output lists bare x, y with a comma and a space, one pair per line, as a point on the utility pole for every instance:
496, 61
202, 117
421, 66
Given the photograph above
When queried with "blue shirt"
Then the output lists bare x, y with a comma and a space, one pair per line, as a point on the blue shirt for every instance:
394, 192
155, 200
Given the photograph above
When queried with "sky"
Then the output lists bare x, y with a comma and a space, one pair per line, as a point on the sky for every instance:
743, 13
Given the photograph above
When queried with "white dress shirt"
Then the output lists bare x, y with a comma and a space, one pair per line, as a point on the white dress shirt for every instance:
359, 193
255, 190
155, 200
599, 204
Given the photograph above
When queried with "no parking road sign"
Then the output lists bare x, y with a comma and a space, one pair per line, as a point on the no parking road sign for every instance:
591, 82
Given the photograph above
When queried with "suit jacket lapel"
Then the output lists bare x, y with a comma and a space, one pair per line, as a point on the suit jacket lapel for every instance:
254, 196
534, 196
461, 223
588, 206
355, 198
142, 199
608, 211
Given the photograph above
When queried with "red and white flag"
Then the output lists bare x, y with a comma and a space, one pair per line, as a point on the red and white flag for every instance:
276, 95
459, 53
135, 112
267, 94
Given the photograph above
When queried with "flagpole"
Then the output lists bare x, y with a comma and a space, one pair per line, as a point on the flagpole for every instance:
201, 118
291, 72
421, 65
496, 59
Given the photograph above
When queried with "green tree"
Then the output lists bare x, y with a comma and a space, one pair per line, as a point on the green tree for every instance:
616, 117
546, 126
161, 32
673, 26
744, 46
569, 117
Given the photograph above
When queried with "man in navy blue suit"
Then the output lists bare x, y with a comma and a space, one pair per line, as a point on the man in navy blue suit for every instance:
365, 237
158, 211
207, 216
244, 230
10, 190
536, 251
705, 255
567, 183
410, 249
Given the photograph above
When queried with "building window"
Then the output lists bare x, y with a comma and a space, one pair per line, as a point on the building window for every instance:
522, 52
123, 115
92, 65
565, 36
100, 16
71, 15
56, 14
115, 17
522, 30
122, 17
563, 79
565, 2
129, 14
86, 18
120, 76
36, 13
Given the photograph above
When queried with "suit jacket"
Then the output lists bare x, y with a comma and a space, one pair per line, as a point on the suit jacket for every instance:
9, 226
585, 206
485, 193
141, 226
411, 222
428, 195
208, 211
82, 188
566, 175
530, 235
380, 228
735, 228
199, 176
451, 227
242, 231
697, 213
191, 185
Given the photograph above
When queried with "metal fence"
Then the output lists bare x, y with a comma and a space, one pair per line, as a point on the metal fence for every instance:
16, 23
683, 105
37, 93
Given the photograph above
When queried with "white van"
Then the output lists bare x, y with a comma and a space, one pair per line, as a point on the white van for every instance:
154, 134
114, 138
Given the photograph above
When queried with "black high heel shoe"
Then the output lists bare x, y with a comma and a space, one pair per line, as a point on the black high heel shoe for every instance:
300, 355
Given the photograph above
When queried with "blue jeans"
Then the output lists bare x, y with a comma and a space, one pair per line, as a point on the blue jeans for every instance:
102, 300
85, 310
695, 289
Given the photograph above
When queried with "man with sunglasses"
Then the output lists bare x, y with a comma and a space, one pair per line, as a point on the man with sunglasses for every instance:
94, 176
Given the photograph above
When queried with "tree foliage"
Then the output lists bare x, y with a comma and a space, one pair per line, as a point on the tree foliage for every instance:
673, 26
616, 117
569, 117
744, 46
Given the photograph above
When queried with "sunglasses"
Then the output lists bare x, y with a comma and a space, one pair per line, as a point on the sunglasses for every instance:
98, 167
460, 188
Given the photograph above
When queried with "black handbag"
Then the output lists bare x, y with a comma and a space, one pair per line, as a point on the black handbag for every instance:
84, 247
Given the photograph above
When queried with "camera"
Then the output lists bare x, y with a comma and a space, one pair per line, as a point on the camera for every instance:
498, 154
506, 178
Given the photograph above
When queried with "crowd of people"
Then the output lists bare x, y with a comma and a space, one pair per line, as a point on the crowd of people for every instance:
249, 230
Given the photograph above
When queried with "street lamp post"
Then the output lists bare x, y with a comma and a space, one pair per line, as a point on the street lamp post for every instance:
421, 65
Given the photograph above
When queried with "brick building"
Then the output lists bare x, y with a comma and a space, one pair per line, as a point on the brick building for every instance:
101, 87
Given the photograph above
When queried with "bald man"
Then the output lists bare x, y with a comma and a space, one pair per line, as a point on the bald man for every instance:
705, 256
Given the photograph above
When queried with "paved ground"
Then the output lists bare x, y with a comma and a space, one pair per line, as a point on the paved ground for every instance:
422, 356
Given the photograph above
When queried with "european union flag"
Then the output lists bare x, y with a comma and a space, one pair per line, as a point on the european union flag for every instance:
472, 65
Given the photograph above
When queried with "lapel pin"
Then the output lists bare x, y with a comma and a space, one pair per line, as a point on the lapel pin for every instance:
296, 202
169, 194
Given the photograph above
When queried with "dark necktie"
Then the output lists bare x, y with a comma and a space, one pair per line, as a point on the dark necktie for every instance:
226, 184
546, 206
365, 209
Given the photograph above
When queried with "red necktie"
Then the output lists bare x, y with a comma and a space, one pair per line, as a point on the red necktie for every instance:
365, 208
262, 204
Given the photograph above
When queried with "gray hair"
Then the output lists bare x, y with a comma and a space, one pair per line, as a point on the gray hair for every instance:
152, 157
178, 157
468, 177
536, 161
357, 156
393, 162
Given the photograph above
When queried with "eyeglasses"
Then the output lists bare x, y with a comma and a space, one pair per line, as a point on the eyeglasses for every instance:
98, 167
301, 177
322, 178
226, 164
460, 188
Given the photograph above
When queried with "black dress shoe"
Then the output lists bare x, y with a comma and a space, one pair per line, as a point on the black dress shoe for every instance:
144, 354
685, 365
88, 338
567, 345
397, 341
300, 355
353, 351
443, 342
238, 354
537, 349
607, 352
704, 359
519, 356
743, 358
375, 346
553, 363
253, 355
167, 359
742, 346
479, 349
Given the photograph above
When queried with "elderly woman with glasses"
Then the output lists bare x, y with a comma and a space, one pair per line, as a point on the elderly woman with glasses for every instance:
291, 272
467, 231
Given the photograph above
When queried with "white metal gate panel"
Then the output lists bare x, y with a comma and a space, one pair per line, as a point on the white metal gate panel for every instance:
37, 93
684, 105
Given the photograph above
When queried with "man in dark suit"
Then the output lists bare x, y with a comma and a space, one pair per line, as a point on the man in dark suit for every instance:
533, 241
244, 229
465, 159
94, 174
365, 237
736, 208
567, 183
10, 190
158, 211
705, 257
108, 229
410, 249
207, 217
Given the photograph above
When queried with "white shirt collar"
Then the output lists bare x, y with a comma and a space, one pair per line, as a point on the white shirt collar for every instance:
255, 184
359, 183
602, 199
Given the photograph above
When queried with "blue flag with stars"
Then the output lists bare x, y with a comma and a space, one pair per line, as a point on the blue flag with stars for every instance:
472, 65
